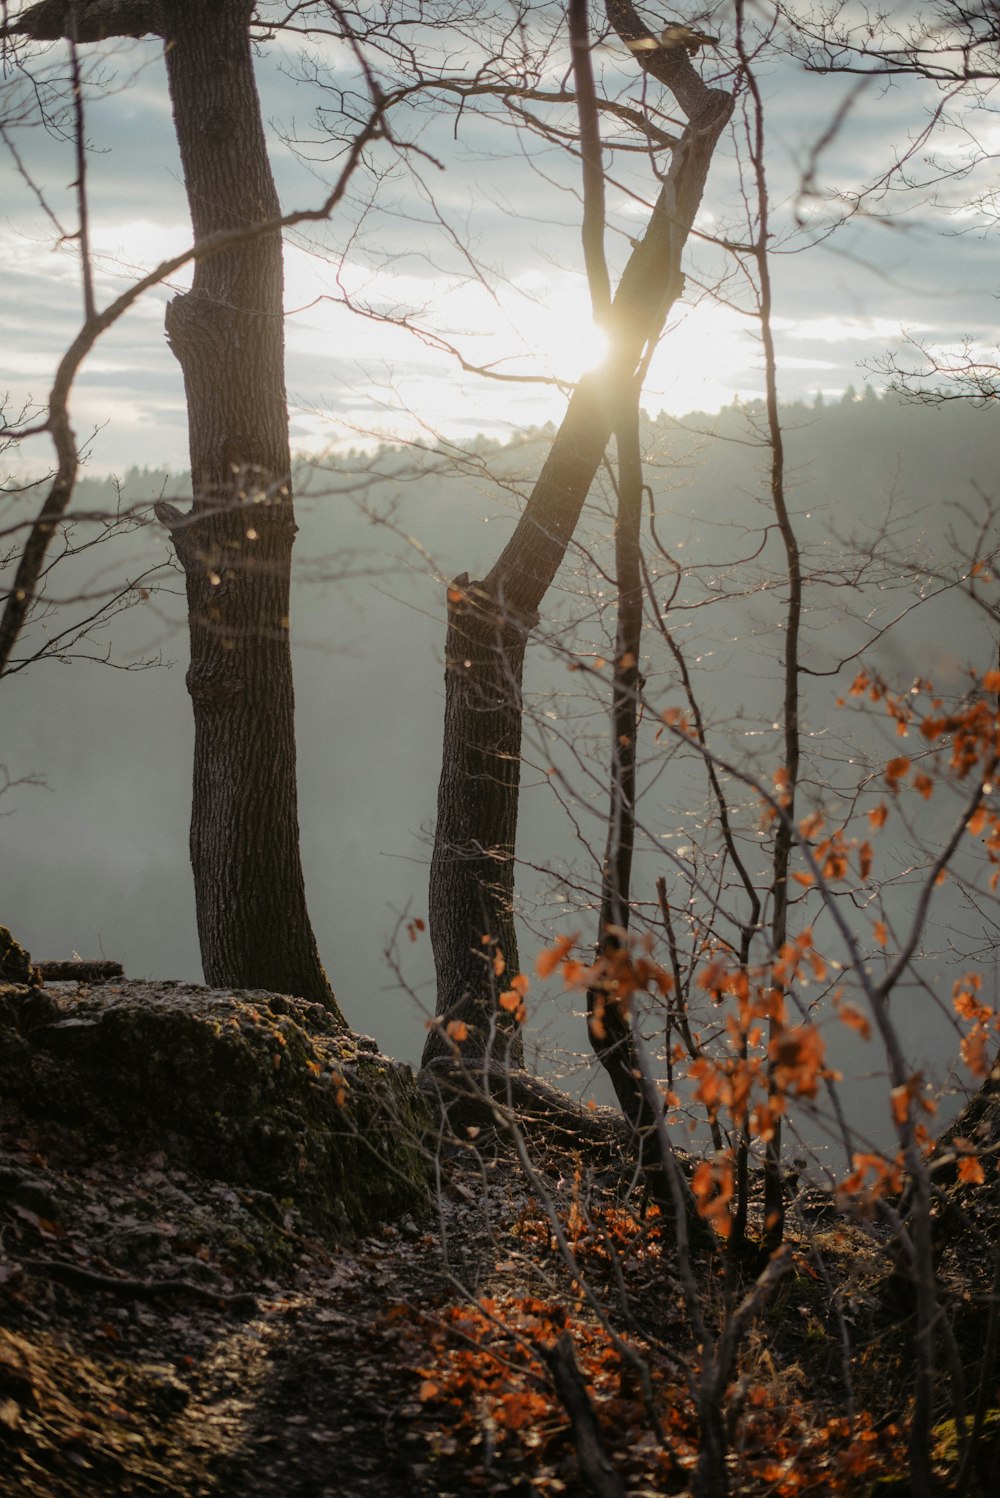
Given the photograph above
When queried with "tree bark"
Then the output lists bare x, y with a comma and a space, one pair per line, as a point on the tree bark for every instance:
79, 970
595, 1467
235, 545
609, 1026
472, 868
471, 882
93, 21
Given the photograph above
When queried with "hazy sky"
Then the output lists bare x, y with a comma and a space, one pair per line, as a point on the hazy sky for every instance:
476, 238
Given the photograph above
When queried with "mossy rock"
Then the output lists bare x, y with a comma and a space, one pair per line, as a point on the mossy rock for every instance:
947, 1447
15, 963
250, 1087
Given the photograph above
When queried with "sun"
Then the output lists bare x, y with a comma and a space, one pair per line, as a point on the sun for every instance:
555, 325
703, 359
576, 344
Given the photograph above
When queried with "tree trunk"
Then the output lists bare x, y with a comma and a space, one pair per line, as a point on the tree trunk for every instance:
609, 1026
472, 866
235, 545
472, 869
472, 884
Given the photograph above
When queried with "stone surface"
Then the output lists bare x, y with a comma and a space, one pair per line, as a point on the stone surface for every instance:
15, 962
258, 1089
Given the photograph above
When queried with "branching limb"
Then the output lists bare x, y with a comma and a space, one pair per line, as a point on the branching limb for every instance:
32, 560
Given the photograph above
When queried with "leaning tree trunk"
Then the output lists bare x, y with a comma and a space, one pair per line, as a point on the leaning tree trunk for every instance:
235, 545
472, 867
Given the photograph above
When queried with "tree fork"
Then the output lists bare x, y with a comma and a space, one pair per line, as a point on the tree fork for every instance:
465, 879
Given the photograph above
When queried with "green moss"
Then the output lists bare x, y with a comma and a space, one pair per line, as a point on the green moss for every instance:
946, 1447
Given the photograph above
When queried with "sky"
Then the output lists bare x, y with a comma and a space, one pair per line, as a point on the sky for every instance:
474, 238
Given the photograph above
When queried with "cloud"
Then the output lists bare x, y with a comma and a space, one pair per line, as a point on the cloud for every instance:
412, 230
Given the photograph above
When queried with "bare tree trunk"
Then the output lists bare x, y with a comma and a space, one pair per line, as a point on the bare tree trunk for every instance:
774, 1192
472, 869
609, 1025
235, 545
472, 866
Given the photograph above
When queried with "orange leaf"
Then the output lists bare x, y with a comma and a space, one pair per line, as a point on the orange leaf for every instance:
796, 1058
818, 965
457, 1029
969, 1168
764, 1121
512, 999
855, 1020
878, 814
880, 933
977, 821
772, 1005
973, 1050
546, 962
896, 769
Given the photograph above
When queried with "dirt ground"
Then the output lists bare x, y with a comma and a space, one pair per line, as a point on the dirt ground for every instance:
165, 1330
163, 1333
